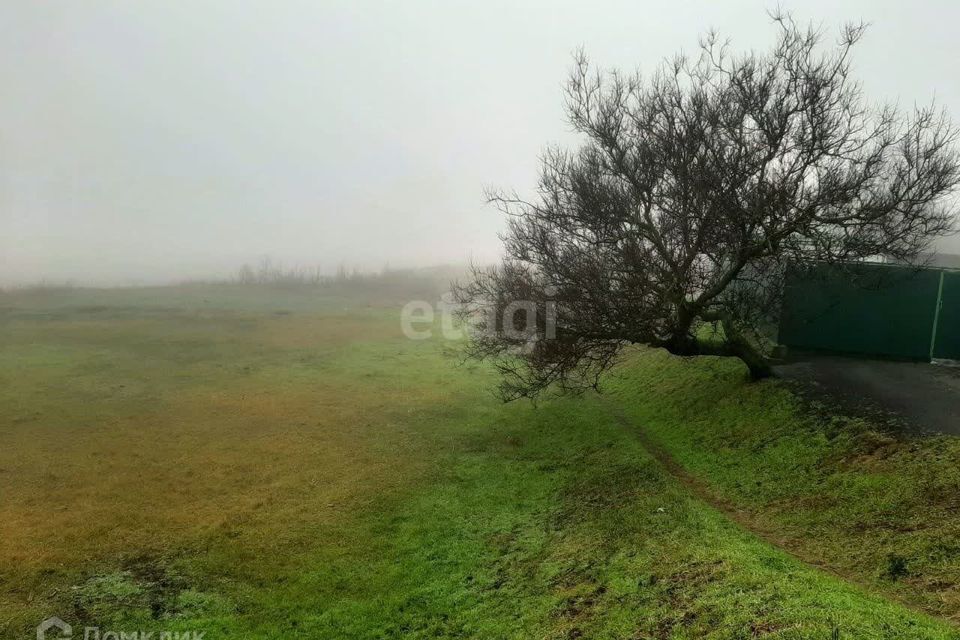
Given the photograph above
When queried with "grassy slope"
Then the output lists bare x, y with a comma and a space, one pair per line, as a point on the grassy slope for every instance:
212, 465
834, 488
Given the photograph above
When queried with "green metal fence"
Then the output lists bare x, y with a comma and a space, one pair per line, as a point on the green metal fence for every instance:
872, 309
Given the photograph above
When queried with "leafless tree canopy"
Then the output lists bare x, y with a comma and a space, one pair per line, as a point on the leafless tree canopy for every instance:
692, 190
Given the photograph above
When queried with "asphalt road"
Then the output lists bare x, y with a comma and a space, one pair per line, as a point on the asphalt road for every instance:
922, 398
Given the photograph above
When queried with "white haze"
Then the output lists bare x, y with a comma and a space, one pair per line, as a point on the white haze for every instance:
152, 141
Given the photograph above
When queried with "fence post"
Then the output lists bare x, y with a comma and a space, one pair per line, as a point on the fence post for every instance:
936, 316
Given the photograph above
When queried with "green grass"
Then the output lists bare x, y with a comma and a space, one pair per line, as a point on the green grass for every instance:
200, 462
838, 489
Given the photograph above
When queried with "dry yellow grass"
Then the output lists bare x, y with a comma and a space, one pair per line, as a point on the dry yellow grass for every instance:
116, 438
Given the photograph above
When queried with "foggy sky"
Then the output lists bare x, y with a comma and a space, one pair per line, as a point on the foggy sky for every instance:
149, 141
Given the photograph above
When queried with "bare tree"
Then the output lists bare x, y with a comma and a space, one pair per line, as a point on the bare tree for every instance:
691, 192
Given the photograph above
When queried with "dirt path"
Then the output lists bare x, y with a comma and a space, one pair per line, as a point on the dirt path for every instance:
751, 522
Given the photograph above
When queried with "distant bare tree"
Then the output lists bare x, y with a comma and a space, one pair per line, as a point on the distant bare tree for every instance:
693, 189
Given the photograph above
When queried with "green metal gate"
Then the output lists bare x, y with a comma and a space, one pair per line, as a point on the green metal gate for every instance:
872, 309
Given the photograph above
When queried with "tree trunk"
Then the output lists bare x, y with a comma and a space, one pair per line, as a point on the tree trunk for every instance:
758, 366
735, 344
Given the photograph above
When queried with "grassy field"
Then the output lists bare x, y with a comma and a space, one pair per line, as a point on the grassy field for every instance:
268, 463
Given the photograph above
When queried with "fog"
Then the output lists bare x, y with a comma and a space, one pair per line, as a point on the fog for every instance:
153, 141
